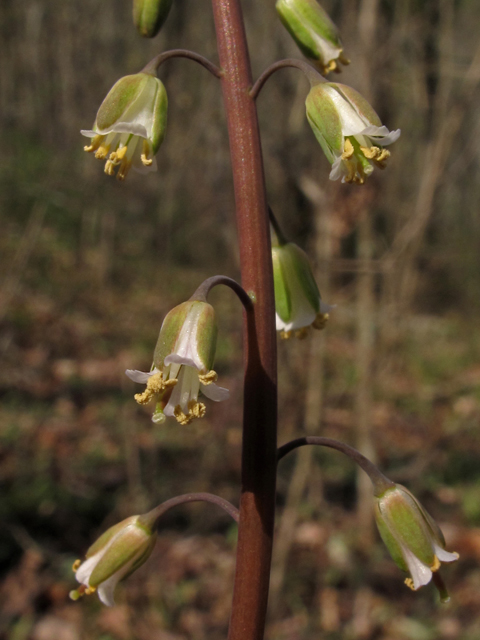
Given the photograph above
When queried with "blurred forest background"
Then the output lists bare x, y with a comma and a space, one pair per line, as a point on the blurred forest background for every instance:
89, 267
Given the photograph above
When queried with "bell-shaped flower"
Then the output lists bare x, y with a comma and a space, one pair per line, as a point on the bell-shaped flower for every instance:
315, 34
149, 16
182, 364
113, 557
130, 125
348, 130
412, 537
298, 304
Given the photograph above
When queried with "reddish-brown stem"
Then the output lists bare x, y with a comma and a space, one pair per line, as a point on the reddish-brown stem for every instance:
313, 76
257, 503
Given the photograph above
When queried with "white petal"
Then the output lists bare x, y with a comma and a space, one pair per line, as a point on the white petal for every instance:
134, 128
352, 122
279, 323
421, 574
140, 376
175, 358
338, 169
444, 556
381, 135
85, 570
88, 134
326, 308
106, 590
214, 392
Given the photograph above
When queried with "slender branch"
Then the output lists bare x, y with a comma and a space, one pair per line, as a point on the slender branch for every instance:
257, 502
151, 518
207, 285
154, 64
313, 76
276, 227
380, 482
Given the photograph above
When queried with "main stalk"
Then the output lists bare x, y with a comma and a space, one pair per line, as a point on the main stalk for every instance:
257, 503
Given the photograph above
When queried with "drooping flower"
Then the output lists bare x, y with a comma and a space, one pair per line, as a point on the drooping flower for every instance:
149, 16
314, 32
130, 125
412, 537
182, 364
298, 304
349, 131
113, 557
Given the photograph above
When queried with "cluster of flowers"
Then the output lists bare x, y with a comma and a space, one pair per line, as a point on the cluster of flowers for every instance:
128, 131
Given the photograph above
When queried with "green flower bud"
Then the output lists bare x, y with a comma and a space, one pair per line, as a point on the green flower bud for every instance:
313, 31
348, 130
412, 537
182, 364
130, 125
149, 16
298, 304
113, 557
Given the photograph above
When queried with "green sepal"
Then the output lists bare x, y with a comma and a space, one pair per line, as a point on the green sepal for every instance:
323, 116
128, 543
392, 545
307, 21
303, 270
407, 524
107, 535
283, 302
150, 15
160, 110
207, 335
169, 332
121, 96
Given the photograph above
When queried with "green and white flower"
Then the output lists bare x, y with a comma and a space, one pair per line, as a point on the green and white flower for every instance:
315, 34
349, 131
112, 558
182, 365
298, 304
412, 537
130, 125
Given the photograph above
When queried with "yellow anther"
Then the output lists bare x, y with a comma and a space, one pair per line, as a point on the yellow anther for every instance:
381, 160
330, 66
196, 409
146, 161
76, 564
351, 168
302, 333
124, 169
371, 152
436, 564
409, 583
285, 335
121, 152
181, 417
343, 59
208, 378
102, 152
109, 168
320, 321
348, 150
170, 383
155, 385
90, 590
94, 144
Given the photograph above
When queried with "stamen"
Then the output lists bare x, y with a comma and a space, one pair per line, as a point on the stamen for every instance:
436, 564
109, 168
94, 144
90, 590
381, 160
102, 152
121, 152
146, 161
196, 409
75, 565
409, 583
124, 169
343, 59
155, 385
208, 378
371, 152
285, 335
320, 321
348, 150
181, 417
